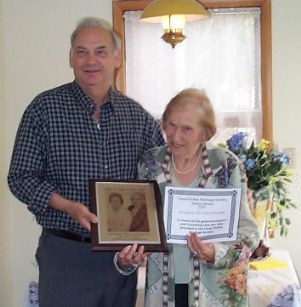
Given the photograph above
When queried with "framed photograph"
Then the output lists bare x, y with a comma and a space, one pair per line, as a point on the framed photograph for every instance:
128, 212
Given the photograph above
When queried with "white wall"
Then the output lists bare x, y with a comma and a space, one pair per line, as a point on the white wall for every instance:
5, 235
286, 42
35, 45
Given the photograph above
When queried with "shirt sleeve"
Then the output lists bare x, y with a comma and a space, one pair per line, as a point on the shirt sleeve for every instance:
26, 177
128, 271
152, 134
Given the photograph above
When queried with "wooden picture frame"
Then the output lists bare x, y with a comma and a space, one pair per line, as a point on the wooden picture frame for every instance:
128, 212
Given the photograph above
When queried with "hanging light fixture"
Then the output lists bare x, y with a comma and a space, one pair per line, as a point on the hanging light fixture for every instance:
173, 14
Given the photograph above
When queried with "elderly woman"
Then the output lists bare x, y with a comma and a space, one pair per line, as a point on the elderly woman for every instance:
199, 273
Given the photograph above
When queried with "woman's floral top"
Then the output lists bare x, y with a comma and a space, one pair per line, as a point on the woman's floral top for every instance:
222, 283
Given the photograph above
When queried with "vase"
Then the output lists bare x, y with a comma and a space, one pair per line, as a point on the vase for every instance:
260, 210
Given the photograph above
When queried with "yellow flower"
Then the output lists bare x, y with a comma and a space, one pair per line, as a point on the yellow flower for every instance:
263, 144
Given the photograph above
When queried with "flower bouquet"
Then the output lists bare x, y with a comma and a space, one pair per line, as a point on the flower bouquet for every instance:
233, 285
268, 177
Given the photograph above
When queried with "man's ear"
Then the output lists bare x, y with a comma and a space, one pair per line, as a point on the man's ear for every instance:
70, 59
117, 58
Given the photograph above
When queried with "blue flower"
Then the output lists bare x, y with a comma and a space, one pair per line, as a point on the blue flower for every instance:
282, 157
235, 143
268, 175
250, 164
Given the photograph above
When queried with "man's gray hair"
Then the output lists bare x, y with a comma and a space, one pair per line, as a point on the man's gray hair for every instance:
96, 23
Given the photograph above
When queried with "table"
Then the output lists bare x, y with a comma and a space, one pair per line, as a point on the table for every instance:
268, 288
275, 288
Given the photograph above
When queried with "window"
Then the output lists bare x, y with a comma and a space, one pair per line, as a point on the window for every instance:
221, 55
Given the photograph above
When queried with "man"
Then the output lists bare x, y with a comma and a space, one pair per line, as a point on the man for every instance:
67, 135
139, 213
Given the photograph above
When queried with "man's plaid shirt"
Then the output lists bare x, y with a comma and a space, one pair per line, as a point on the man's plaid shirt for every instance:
59, 147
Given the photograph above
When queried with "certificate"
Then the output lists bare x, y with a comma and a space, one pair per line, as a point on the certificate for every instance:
128, 212
212, 213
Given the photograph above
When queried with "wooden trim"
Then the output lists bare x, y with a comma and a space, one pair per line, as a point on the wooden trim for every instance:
266, 71
209, 4
119, 7
134, 5
118, 25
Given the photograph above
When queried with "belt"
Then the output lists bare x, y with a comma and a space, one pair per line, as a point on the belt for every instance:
67, 235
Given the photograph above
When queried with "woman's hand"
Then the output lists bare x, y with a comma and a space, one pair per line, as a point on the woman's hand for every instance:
131, 255
203, 251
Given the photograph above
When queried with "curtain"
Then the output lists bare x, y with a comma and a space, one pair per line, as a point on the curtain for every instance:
220, 55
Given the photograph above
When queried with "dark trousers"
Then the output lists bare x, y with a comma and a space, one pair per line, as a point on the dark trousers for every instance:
72, 275
181, 295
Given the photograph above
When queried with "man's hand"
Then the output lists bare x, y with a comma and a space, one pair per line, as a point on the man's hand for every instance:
82, 215
77, 211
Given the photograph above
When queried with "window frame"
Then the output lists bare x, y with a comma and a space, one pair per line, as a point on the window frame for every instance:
121, 6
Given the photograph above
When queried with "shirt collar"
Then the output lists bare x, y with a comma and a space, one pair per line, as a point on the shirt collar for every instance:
87, 102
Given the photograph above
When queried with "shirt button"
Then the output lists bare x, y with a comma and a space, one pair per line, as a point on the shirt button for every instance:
106, 166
